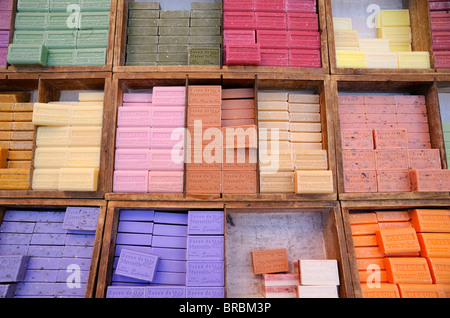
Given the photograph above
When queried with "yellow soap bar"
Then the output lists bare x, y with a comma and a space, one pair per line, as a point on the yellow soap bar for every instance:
306, 127
400, 47
91, 104
304, 118
14, 97
52, 114
19, 165
3, 157
306, 146
279, 182
381, 60
5, 116
273, 105
52, 136
374, 45
83, 157
416, 60
268, 125
14, 179
342, 24
303, 98
85, 136
23, 116
22, 135
45, 179
91, 96
51, 157
5, 135
272, 96
396, 34
304, 108
310, 182
273, 115
276, 161
310, 159
346, 38
269, 135
393, 18
87, 116
270, 145
78, 179
306, 137
351, 59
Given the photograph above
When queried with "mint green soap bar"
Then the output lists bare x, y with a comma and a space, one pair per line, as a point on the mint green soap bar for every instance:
144, 5
174, 23
446, 127
172, 48
207, 5
27, 55
143, 31
141, 63
204, 55
62, 21
447, 135
64, 5
142, 57
206, 22
173, 31
143, 40
133, 49
94, 20
61, 39
29, 37
142, 23
61, 57
143, 14
92, 39
90, 57
206, 14
176, 39
205, 30
174, 14
33, 5
95, 5
36, 21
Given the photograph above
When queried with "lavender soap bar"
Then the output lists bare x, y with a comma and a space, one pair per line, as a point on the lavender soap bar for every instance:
137, 265
13, 268
205, 274
81, 218
206, 223
205, 248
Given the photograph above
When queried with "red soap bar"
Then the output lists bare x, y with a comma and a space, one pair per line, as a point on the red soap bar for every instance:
424, 159
243, 54
239, 36
379, 100
270, 21
391, 159
270, 5
274, 57
238, 5
393, 181
381, 118
442, 59
390, 138
358, 159
238, 20
441, 41
351, 100
440, 21
412, 118
239, 182
302, 21
357, 139
272, 39
301, 5
360, 181
430, 180
305, 58
306, 40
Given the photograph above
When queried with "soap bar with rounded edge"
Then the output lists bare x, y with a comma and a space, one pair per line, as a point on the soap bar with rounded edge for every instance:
318, 272
440, 269
392, 216
78, 179
45, 179
393, 181
85, 136
393, 241
364, 240
431, 220
129, 181
384, 290
390, 139
434, 244
134, 116
313, 181
408, 270
362, 218
239, 182
370, 264
51, 157
166, 182
430, 180
52, 114
364, 228
419, 291
203, 182
358, 159
368, 252
360, 181
357, 139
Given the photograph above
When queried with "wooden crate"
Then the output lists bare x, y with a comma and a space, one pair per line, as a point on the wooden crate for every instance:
111, 228
63, 69
389, 84
348, 207
6, 204
420, 28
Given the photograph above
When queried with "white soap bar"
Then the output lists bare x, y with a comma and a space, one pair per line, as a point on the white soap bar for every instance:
318, 272
317, 292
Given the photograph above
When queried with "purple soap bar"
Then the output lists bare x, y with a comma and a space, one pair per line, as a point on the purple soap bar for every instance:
137, 215
206, 223
40, 276
205, 292
7, 291
170, 230
175, 254
20, 216
51, 217
165, 292
137, 265
45, 251
63, 289
79, 240
13, 268
35, 289
78, 251
168, 278
172, 266
4, 38
6, 4
42, 263
141, 249
171, 218
5, 19
205, 248
3, 56
83, 263
15, 239
202, 274
135, 227
169, 241
125, 292
134, 239
116, 278
13, 249
67, 276
17, 227
48, 239
81, 218
48, 228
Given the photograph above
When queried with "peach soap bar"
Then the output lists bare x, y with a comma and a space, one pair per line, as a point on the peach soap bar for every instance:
313, 182
270, 261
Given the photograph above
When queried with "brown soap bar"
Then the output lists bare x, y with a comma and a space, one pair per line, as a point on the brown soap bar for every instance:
203, 182
270, 261
17, 97
3, 158
239, 182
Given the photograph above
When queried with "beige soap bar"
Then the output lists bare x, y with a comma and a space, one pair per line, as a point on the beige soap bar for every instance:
272, 96
306, 137
304, 108
310, 159
87, 116
318, 272
276, 161
91, 96
280, 125
281, 135
274, 146
45, 179
306, 127
52, 136
83, 157
273, 115
51, 157
305, 117
85, 136
312, 182
273, 105
306, 146
52, 114
78, 179
280, 182
304, 98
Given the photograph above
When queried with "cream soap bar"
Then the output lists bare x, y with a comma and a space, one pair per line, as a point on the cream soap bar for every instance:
45, 179
78, 179
52, 114
310, 182
51, 157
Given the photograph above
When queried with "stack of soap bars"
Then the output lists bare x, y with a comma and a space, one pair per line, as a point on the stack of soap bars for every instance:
403, 253
392, 48
291, 152
5, 25
60, 33
46, 254
150, 141
169, 255
174, 37
271, 33
68, 141
16, 140
440, 28
386, 145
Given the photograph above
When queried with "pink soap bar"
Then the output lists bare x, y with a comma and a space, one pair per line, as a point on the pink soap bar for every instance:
381, 109
272, 39
166, 138
393, 181
415, 128
305, 58
238, 36
3, 56
419, 138
149, 104
242, 54
439, 5
302, 21
166, 182
301, 5
137, 97
351, 109
304, 40
379, 100
274, 57
133, 137
351, 100
410, 99
270, 5
6, 4
424, 159
168, 116
130, 181
430, 180
381, 118
232, 104
360, 181
169, 96
237, 20
442, 59
5, 19
391, 159
134, 116
270, 21
412, 118
440, 21
441, 41
238, 5
357, 139
390, 138
411, 108
132, 159
166, 160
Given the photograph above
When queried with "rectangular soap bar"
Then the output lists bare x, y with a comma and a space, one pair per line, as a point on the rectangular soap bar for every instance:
393, 241
364, 228
165, 160
313, 182
386, 159
408, 270
45, 179
239, 182
384, 290
134, 116
434, 244
357, 139
83, 157
13, 268
206, 222
205, 248
439, 268
161, 229
205, 273
130, 181
393, 181
52, 114
137, 215
166, 181
420, 290
176, 254
207, 182
169, 96
131, 137
14, 179
81, 218
362, 218
317, 292
280, 182
78, 179
132, 159
424, 159
430, 220
269, 261
318, 272
389, 139
430, 180
289, 279
137, 265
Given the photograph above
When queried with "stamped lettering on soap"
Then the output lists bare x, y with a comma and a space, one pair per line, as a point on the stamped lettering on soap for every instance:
81, 218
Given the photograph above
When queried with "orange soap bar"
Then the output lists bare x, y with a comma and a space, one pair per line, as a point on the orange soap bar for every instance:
203, 95
394, 241
390, 138
391, 159
408, 270
233, 114
420, 159
3, 158
370, 263
371, 276
394, 225
365, 240
392, 216
239, 182
270, 261
203, 182
393, 181
429, 220
368, 252
357, 139
238, 93
382, 291
420, 291
232, 104
430, 180
358, 159
210, 116
440, 269
364, 229
434, 244
362, 218
240, 137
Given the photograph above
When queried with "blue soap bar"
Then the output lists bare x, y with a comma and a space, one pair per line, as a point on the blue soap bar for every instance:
7, 291
40, 276
125, 292
205, 292
67, 275
137, 265
116, 278
15, 239
62, 289
13, 268
79, 240
77, 251
169, 241
135, 227
13, 249
137, 215
206, 223
57, 217
44, 227
171, 218
35, 289
165, 292
170, 230
17, 227
48, 239
134, 239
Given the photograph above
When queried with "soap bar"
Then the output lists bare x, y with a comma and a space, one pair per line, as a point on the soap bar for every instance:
358, 159
393, 241
81, 218
317, 292
434, 244
424, 159
289, 279
318, 272
269, 261
166, 138
427, 220
27, 54
78, 179
368, 252
396, 159
439, 270
392, 216
364, 240
310, 160
45, 179
137, 215
203, 182
133, 137
205, 248
171, 218
279, 291
51, 157
239, 20
52, 114
420, 290
364, 228
206, 223
408, 270
137, 265
393, 181
177, 254
164, 160
129, 181
243, 54
239, 182
13, 268
134, 116
14, 179
205, 273
169, 96
166, 181
357, 139
85, 136
279, 182
83, 157
313, 182
383, 290
389, 139
430, 180
362, 218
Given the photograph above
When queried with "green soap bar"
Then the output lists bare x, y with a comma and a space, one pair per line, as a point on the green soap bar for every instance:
211, 39
27, 55
92, 39
90, 57
29, 37
206, 14
446, 127
144, 5
31, 21
61, 39
206, 22
146, 57
33, 5
95, 5
142, 23
173, 57
61, 21
162, 63
204, 56
63, 5
143, 31
176, 39
173, 31
143, 14
205, 30
172, 48
174, 23
207, 5
447, 145
175, 14
133, 49
446, 135
61, 57
142, 40
140, 64
94, 20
